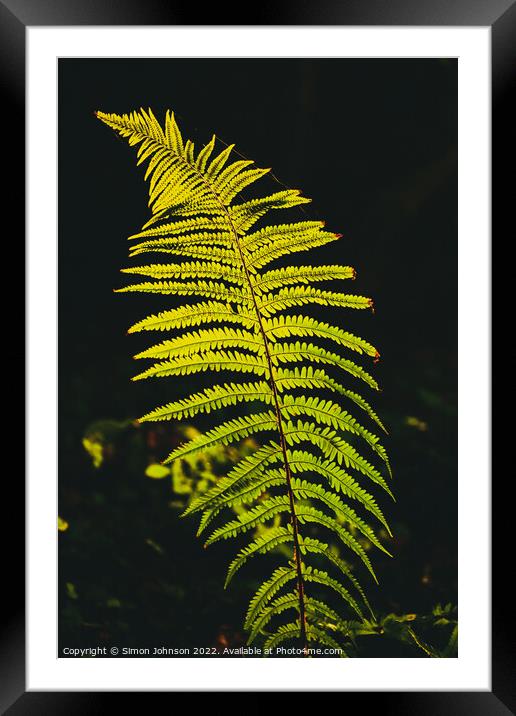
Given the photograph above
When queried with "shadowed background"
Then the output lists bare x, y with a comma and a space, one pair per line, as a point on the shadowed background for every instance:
374, 143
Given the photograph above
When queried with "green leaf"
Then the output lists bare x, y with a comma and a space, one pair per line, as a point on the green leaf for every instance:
157, 471
237, 318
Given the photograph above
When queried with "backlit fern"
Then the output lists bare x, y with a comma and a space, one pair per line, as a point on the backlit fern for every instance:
307, 474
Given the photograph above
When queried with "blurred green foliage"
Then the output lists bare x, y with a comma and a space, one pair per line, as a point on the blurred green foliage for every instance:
105, 612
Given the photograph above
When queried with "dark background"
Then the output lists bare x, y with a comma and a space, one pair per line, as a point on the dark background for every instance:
374, 143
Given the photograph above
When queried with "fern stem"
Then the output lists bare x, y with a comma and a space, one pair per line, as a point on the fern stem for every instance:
283, 445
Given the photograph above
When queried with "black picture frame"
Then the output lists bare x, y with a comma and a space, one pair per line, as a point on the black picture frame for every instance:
500, 16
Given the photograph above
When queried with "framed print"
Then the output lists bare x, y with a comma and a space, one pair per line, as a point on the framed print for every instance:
346, 520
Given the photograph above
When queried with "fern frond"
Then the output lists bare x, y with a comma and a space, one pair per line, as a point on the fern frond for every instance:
285, 632
202, 341
225, 434
212, 252
295, 296
305, 489
314, 607
270, 235
246, 470
238, 183
279, 578
210, 360
279, 605
306, 513
195, 269
219, 396
318, 635
282, 246
207, 289
298, 352
287, 326
196, 240
320, 577
328, 413
300, 274
244, 492
194, 315
229, 173
333, 448
308, 377
204, 155
196, 224
245, 215
309, 544
218, 163
191, 250
261, 545
301, 461
263, 512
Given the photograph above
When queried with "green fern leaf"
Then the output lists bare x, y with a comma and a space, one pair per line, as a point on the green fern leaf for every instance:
295, 296
306, 513
285, 245
246, 470
201, 224
301, 462
182, 242
328, 413
262, 544
191, 250
245, 491
187, 228
244, 216
308, 377
220, 396
210, 360
266, 510
188, 316
309, 544
285, 632
316, 575
208, 289
333, 447
279, 578
297, 352
202, 341
194, 269
315, 634
226, 433
305, 489
287, 326
300, 274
